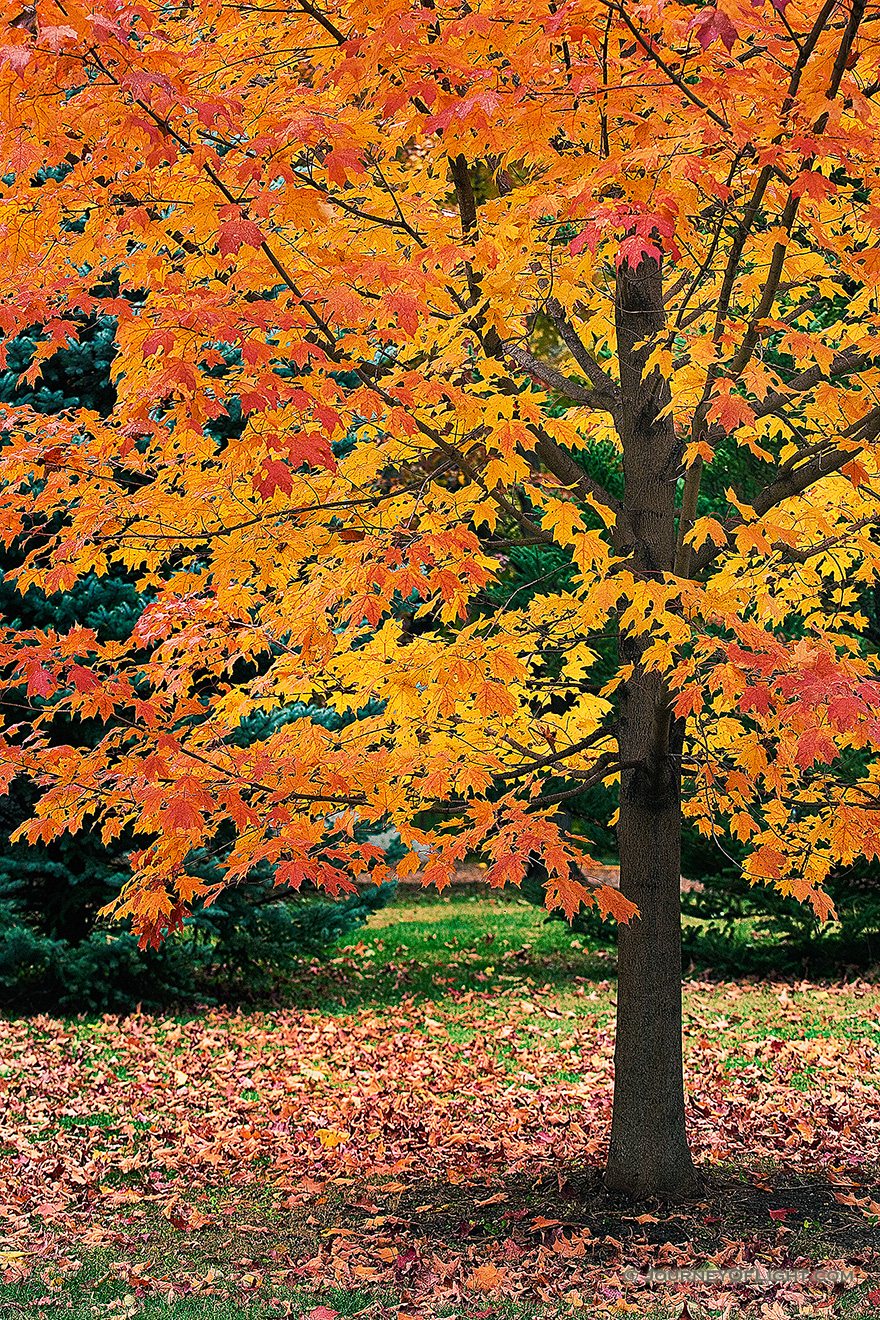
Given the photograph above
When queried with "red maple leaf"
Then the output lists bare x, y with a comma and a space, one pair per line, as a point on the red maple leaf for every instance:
815, 745
276, 476
406, 309
40, 680
157, 339
812, 184
15, 56
756, 698
180, 814
83, 679
340, 160
633, 251
711, 23
235, 233
731, 411
310, 447
55, 37
486, 101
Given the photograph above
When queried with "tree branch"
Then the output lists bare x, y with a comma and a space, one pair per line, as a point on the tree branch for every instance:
793, 556
466, 467
603, 384
555, 757
798, 479
789, 214
786, 485
608, 400
467, 210
606, 765
320, 18
560, 462
745, 225
570, 473
849, 362
386, 221
648, 46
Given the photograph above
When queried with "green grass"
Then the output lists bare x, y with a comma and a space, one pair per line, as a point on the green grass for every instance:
442, 947
434, 948
88, 1292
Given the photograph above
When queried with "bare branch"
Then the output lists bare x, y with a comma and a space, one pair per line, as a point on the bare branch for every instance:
789, 214
649, 47
788, 484
322, 19
555, 757
569, 472
467, 209
465, 466
555, 380
606, 765
600, 380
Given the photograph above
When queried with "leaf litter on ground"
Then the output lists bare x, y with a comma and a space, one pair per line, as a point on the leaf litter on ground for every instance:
371, 1154
446, 1154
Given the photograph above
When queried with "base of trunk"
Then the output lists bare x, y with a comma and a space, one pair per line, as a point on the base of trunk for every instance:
654, 1181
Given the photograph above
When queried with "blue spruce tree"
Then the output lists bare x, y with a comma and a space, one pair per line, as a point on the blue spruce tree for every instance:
54, 950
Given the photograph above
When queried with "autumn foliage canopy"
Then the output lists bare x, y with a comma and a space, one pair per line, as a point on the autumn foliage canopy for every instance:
397, 234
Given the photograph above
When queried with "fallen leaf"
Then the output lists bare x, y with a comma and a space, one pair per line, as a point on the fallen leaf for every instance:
330, 1138
485, 1278
492, 1200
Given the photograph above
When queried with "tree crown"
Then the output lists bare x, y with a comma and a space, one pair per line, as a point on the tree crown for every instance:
390, 238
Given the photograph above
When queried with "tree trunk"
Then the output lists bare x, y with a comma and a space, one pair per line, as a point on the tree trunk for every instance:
649, 1154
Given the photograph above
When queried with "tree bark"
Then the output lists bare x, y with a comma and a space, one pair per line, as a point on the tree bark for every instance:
649, 1154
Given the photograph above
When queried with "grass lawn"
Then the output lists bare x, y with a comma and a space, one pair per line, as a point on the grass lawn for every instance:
417, 1127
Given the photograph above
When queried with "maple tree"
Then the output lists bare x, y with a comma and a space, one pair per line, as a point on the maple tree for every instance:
684, 193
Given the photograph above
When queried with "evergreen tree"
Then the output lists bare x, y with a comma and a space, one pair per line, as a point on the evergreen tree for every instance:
53, 946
